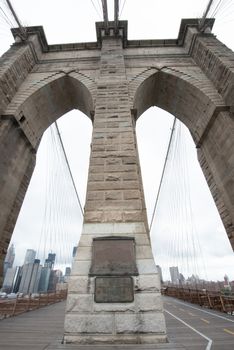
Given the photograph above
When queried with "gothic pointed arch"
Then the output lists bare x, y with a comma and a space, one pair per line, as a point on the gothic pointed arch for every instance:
42, 99
194, 100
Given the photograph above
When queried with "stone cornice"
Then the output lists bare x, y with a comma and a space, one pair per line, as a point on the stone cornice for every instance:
110, 31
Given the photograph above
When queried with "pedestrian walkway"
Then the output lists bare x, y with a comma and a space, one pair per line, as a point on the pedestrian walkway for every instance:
42, 329
198, 328
194, 327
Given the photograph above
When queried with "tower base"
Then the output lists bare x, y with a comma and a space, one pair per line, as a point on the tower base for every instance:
94, 315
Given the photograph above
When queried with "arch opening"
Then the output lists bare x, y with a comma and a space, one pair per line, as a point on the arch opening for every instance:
45, 198
40, 101
180, 95
153, 133
194, 100
37, 105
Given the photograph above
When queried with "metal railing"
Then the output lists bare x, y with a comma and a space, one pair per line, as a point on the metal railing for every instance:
211, 300
13, 307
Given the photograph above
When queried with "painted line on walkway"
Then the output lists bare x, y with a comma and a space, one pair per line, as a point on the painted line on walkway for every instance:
204, 320
206, 312
228, 331
208, 347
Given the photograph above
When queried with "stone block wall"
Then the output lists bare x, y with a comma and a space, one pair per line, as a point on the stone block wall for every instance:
140, 321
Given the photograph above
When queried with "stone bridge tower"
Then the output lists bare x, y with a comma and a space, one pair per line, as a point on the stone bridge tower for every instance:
114, 288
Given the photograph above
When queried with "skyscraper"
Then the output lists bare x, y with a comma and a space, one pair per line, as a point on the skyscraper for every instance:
29, 256
49, 262
44, 279
10, 257
30, 277
160, 273
8, 282
175, 275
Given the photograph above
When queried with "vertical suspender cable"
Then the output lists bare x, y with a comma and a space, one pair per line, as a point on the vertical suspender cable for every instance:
116, 17
105, 12
163, 171
69, 169
23, 31
201, 25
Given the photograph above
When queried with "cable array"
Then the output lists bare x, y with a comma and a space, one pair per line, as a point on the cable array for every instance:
6, 15
96, 9
222, 11
62, 215
122, 8
174, 222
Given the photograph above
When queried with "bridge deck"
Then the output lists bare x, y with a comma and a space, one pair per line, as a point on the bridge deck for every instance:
187, 324
198, 328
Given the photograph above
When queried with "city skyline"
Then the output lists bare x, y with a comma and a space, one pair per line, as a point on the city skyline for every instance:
33, 275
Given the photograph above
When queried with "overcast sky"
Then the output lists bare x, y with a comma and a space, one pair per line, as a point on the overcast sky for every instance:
74, 21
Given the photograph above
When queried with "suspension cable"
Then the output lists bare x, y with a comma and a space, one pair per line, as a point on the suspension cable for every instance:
69, 168
163, 171
22, 29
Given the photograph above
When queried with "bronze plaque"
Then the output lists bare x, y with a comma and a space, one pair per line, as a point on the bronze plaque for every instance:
113, 290
113, 256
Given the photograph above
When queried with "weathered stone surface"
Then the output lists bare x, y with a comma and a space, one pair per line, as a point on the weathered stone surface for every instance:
83, 323
148, 302
80, 303
148, 283
84, 253
144, 252
106, 340
81, 267
140, 323
146, 266
81, 284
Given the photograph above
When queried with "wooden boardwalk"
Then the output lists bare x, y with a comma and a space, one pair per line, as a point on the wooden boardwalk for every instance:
193, 327
42, 329
34, 330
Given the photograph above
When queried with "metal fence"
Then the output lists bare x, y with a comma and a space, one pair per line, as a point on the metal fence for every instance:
12, 307
211, 300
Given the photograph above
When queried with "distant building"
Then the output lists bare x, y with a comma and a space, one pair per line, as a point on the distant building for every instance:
29, 256
8, 282
160, 273
67, 274
175, 275
35, 277
18, 276
182, 278
30, 277
9, 259
44, 279
55, 277
49, 262
226, 284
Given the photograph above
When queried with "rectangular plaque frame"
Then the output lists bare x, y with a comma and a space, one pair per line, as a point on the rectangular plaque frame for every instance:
113, 256
114, 289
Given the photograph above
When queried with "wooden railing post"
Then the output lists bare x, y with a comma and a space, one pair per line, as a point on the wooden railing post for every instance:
28, 304
14, 306
222, 303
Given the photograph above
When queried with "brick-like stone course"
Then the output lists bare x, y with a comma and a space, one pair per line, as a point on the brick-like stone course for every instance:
113, 133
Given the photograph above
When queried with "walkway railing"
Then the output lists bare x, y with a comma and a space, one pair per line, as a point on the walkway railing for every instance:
211, 300
12, 307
